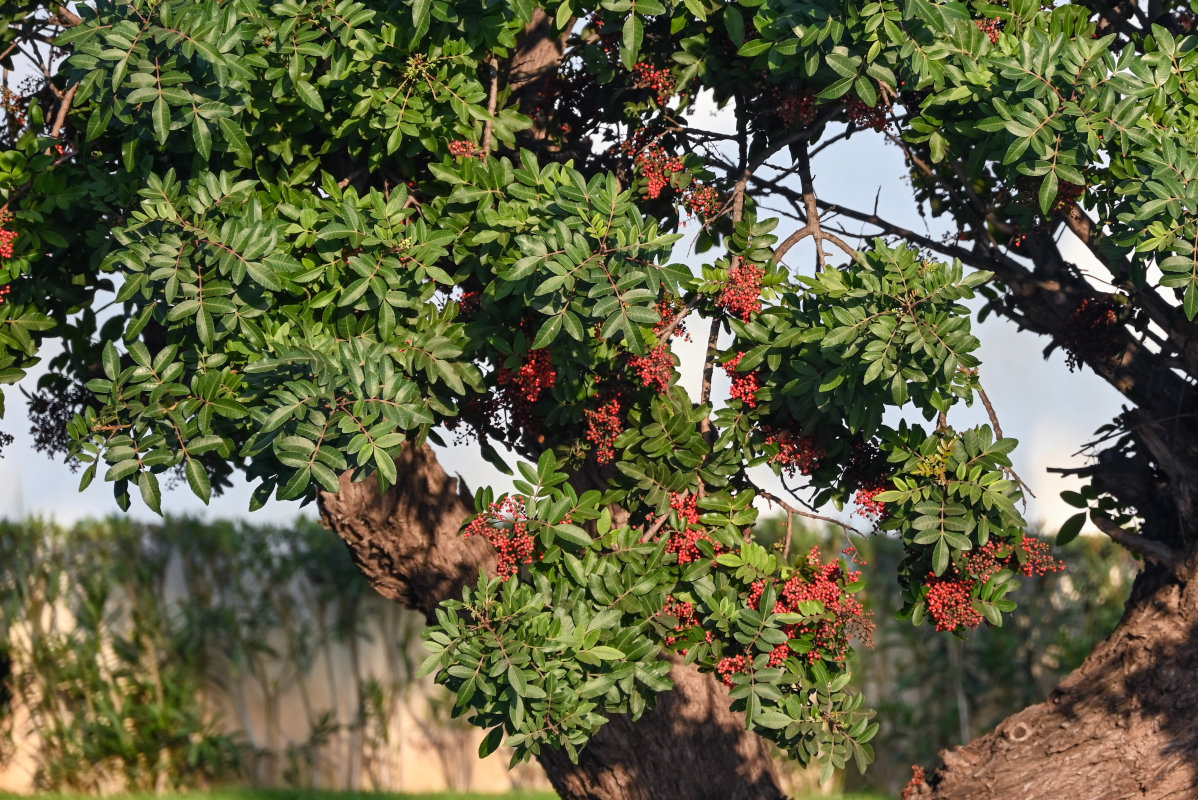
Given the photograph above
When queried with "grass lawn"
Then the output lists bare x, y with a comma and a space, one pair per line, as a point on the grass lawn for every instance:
306, 794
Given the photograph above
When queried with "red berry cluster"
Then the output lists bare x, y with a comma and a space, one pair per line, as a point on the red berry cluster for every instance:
463, 147
4, 290
6, 236
685, 542
741, 295
1092, 332
686, 506
685, 614
1185, 19
668, 308
745, 385
863, 116
534, 376
985, 562
867, 505
14, 106
845, 617
656, 165
469, 304
656, 79
656, 368
917, 780
702, 201
603, 426
796, 454
731, 665
800, 108
990, 27
505, 526
950, 602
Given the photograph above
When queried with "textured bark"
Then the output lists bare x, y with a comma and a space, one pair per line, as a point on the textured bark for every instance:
691, 745
1123, 725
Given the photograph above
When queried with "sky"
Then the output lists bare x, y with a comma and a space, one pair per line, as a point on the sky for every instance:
1051, 411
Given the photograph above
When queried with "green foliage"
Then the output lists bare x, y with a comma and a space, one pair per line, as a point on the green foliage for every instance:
334, 230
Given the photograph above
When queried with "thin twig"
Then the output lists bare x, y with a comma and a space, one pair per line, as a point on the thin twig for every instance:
492, 104
63, 108
790, 524
773, 498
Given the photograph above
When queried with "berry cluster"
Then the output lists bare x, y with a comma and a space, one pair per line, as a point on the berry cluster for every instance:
796, 454
684, 613
686, 506
800, 108
990, 27
702, 201
950, 596
668, 308
745, 385
845, 617
656, 79
685, 542
950, 602
13, 105
867, 504
463, 147
656, 165
863, 116
603, 426
4, 290
505, 526
533, 377
741, 295
6, 236
917, 780
656, 368
1092, 332
731, 665
469, 305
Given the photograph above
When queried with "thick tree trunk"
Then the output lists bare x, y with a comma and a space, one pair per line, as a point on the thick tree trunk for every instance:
1123, 725
691, 745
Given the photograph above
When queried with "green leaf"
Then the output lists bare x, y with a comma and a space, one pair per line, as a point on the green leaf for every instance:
1071, 528
197, 479
151, 494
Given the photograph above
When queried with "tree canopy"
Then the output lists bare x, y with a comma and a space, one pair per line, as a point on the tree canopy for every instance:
292, 240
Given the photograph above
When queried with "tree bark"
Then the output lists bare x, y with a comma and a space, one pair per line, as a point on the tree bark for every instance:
691, 745
1124, 724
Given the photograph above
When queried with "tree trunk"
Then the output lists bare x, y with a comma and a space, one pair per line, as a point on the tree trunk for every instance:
690, 745
1124, 724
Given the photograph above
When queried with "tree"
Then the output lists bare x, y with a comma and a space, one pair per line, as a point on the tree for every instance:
299, 241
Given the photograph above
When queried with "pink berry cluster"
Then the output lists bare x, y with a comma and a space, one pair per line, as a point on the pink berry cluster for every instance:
702, 201
741, 295
863, 116
604, 424
656, 165
505, 526
13, 105
656, 79
796, 454
685, 542
731, 665
684, 612
463, 148
950, 602
745, 385
7, 236
845, 618
796, 108
991, 27
655, 368
868, 506
534, 376
950, 596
